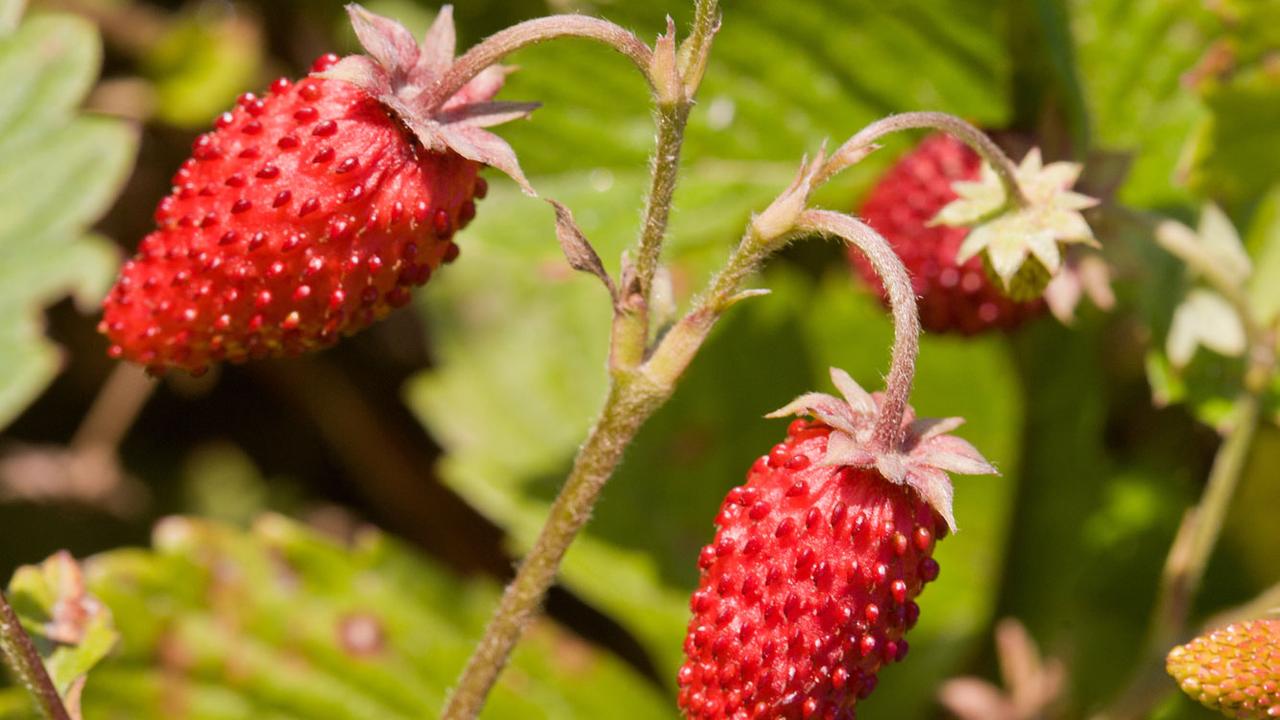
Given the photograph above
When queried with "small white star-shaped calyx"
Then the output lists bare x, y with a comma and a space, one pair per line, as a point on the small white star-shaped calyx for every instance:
1009, 234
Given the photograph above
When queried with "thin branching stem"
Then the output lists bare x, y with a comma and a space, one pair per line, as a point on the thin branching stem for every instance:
632, 397
626, 408
494, 48
1185, 565
1004, 167
21, 656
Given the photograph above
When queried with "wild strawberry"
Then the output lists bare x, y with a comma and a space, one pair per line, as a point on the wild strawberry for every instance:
1234, 670
954, 297
809, 585
308, 213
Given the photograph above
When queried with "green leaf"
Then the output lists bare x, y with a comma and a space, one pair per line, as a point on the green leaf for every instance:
1236, 150
71, 628
1263, 242
202, 62
280, 622
58, 174
1132, 56
781, 79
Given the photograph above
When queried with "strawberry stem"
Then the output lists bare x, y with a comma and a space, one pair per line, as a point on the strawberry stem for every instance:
626, 408
633, 394
1185, 566
21, 656
492, 49
631, 324
902, 302
950, 124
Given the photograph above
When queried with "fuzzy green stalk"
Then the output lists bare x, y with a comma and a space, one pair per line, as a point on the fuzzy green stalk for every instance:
23, 659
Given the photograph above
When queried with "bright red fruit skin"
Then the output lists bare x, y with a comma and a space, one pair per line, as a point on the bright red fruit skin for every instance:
807, 589
304, 215
952, 298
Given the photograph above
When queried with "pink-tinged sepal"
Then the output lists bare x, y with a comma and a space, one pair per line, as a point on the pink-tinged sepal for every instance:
921, 460
953, 454
439, 46
401, 74
388, 42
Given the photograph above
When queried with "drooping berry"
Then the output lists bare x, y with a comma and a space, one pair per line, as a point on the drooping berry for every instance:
309, 212
953, 297
1234, 670
809, 586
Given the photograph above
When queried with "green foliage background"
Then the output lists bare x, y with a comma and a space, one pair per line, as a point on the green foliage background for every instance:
452, 424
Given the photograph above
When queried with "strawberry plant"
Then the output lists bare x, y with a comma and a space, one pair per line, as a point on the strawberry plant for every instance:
272, 387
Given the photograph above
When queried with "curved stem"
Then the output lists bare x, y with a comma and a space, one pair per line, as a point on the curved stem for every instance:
21, 656
678, 347
902, 303
950, 124
531, 32
626, 408
1184, 568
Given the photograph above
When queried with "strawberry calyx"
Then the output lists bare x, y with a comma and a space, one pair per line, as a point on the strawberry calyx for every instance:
920, 460
1021, 243
401, 74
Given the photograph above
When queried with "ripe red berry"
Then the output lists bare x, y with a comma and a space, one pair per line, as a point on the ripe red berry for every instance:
810, 583
952, 298
308, 213
1234, 670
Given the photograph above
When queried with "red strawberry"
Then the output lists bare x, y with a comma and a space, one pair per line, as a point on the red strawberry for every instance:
308, 213
1234, 670
953, 298
810, 582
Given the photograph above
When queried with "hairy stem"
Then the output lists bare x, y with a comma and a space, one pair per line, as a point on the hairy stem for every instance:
21, 656
1185, 566
950, 124
631, 325
633, 396
706, 21
531, 32
902, 303
627, 406
679, 346
662, 187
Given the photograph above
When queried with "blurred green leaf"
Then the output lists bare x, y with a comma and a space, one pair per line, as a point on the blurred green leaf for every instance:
280, 622
72, 630
1235, 154
204, 60
781, 79
1263, 242
58, 173
1132, 55
10, 13
1236, 157
1248, 534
